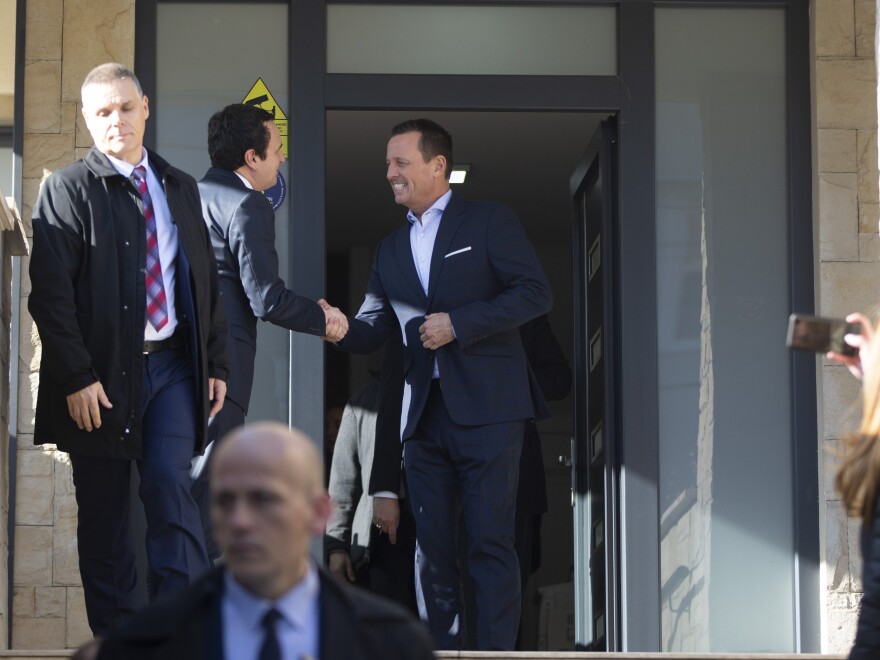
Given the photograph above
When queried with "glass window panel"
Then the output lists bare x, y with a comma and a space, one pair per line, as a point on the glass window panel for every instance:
441, 39
727, 556
188, 95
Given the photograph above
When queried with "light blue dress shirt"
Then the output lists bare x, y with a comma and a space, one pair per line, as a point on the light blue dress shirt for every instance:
422, 235
297, 629
166, 233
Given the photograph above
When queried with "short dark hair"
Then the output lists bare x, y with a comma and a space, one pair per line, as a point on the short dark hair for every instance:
104, 74
434, 141
235, 129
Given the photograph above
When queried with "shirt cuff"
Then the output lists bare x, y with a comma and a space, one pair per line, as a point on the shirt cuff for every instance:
387, 494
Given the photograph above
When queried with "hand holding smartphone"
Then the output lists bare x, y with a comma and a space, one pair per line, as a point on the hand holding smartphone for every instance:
820, 334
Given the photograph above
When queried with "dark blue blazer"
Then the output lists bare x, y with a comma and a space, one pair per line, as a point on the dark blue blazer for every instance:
486, 276
241, 224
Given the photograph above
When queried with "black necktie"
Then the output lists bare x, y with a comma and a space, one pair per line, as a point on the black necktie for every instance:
270, 650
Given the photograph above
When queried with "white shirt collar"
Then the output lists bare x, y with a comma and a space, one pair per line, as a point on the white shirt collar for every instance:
436, 208
124, 167
293, 605
243, 180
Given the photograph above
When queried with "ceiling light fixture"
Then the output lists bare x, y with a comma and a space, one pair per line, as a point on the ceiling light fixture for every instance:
459, 172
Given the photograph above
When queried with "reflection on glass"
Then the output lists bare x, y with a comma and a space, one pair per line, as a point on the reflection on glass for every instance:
187, 96
727, 559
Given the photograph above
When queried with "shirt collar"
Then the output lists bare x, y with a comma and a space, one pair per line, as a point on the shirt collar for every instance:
294, 605
437, 209
125, 168
243, 180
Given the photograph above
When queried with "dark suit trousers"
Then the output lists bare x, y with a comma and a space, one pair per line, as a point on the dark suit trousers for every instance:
231, 416
452, 469
175, 546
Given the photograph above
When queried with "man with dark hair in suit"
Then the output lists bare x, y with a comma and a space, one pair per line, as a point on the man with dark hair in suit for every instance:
269, 600
458, 280
124, 294
245, 149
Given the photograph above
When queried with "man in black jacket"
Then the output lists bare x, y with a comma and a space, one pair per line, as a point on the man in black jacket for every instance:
245, 149
125, 297
269, 600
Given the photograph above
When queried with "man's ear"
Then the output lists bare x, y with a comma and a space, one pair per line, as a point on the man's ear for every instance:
250, 158
146, 107
323, 509
440, 166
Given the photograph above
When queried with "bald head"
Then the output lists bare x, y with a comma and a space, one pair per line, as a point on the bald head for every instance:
273, 443
268, 502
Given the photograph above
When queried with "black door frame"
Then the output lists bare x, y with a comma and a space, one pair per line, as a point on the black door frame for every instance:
630, 95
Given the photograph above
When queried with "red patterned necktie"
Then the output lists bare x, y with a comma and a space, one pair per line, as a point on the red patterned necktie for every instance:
157, 306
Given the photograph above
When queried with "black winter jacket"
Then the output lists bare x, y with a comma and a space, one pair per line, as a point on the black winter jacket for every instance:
88, 300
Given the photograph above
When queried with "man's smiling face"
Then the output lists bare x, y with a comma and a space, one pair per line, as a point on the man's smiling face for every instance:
416, 184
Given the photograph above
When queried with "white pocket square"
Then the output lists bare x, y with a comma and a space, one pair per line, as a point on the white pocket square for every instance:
458, 252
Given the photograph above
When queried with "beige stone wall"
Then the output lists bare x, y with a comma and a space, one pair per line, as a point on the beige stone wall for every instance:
65, 39
849, 257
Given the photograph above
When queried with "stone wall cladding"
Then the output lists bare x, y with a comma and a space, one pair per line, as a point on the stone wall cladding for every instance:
845, 86
65, 39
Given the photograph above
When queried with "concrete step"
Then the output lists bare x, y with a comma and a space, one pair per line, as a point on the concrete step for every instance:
547, 655
522, 655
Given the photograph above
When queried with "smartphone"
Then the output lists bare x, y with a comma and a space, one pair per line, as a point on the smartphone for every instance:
820, 334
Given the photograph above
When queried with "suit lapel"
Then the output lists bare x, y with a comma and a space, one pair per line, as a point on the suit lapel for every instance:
403, 250
337, 629
450, 221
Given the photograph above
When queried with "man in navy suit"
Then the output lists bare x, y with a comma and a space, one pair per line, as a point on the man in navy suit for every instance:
245, 149
459, 279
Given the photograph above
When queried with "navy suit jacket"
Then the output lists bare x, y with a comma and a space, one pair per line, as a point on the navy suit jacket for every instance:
241, 224
486, 276
354, 625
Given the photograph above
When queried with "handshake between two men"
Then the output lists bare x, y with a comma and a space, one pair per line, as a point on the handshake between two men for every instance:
435, 332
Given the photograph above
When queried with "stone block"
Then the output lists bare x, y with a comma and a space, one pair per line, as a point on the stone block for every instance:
25, 280
42, 97
63, 475
869, 176
836, 548
846, 287
34, 500
33, 556
869, 247
78, 631
50, 602
30, 189
30, 349
65, 557
38, 633
27, 401
838, 217
837, 150
869, 219
95, 31
841, 402
45, 153
831, 457
23, 601
854, 533
83, 137
841, 612
69, 111
44, 20
846, 94
835, 35
865, 25
26, 442
35, 464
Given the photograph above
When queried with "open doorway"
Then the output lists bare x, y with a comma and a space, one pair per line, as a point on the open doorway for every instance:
523, 160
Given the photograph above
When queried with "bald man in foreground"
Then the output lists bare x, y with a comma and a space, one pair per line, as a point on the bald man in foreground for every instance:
269, 601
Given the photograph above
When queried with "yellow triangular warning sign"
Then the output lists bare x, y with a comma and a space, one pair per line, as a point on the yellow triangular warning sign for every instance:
260, 96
